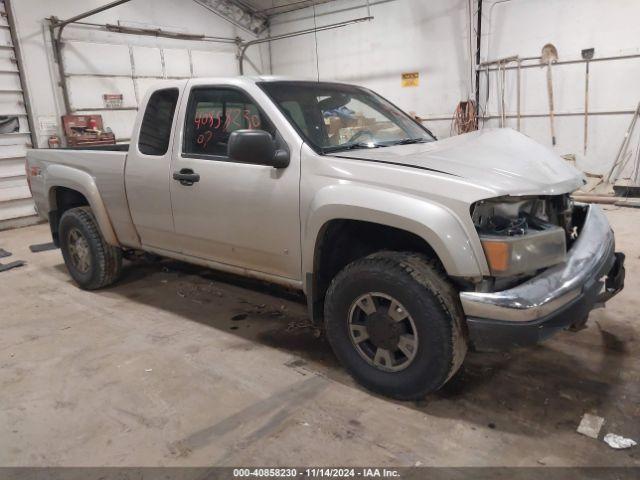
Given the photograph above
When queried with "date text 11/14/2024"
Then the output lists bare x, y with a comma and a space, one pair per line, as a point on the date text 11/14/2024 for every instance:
316, 472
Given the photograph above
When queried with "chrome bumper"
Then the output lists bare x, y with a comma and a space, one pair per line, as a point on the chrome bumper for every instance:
591, 257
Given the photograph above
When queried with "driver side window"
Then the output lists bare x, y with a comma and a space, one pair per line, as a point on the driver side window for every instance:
214, 114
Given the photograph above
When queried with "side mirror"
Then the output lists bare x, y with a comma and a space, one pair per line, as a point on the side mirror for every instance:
256, 146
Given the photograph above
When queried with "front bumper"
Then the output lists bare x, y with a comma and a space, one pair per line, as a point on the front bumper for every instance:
560, 297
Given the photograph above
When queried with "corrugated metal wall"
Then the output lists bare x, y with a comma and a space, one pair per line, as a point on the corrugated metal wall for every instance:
16, 205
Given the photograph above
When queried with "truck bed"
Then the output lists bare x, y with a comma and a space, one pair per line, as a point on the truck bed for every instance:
105, 164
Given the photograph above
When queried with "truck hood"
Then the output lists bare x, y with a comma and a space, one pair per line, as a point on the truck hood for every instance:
502, 160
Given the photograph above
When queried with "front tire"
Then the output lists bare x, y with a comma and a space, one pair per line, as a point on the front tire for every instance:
91, 262
395, 322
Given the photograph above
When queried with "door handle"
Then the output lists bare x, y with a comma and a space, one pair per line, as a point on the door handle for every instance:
186, 177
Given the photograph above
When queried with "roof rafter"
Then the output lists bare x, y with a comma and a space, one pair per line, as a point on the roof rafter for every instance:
271, 8
238, 14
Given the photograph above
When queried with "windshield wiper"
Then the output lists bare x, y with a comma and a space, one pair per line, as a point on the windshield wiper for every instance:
353, 146
409, 141
364, 145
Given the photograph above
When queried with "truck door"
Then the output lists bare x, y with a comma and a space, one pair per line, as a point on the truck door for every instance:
243, 215
147, 172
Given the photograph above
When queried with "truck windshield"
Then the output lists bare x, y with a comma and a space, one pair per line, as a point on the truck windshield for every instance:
335, 117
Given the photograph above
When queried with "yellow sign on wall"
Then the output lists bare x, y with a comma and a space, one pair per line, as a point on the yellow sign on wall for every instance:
411, 79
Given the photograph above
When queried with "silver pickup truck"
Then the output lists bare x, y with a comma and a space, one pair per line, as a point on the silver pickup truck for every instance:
408, 249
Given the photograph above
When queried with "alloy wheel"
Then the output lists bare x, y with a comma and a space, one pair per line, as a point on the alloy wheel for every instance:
383, 332
79, 251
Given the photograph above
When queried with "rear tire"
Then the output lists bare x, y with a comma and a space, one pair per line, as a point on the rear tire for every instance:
91, 262
395, 322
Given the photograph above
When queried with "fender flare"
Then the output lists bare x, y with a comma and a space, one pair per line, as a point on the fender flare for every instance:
434, 223
84, 183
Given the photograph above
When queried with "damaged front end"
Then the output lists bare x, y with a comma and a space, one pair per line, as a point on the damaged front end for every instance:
521, 236
551, 262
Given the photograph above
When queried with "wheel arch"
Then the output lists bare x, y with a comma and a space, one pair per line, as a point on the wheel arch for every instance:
68, 188
414, 224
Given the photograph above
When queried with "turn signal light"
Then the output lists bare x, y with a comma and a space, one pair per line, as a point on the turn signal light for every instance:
498, 255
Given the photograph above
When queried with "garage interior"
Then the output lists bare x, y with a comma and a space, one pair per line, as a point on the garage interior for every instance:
177, 365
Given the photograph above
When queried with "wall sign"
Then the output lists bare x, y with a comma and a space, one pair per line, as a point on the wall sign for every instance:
112, 100
411, 79
48, 124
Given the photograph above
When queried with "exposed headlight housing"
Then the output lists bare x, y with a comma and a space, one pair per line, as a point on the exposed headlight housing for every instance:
510, 256
517, 235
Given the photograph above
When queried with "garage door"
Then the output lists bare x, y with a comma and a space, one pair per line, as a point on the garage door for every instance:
16, 205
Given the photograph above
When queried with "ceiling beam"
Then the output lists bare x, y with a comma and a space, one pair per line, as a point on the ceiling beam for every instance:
291, 6
237, 13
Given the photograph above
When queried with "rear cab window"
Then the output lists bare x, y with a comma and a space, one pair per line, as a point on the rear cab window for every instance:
155, 130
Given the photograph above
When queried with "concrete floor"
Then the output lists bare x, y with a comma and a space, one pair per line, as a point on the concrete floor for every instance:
176, 365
